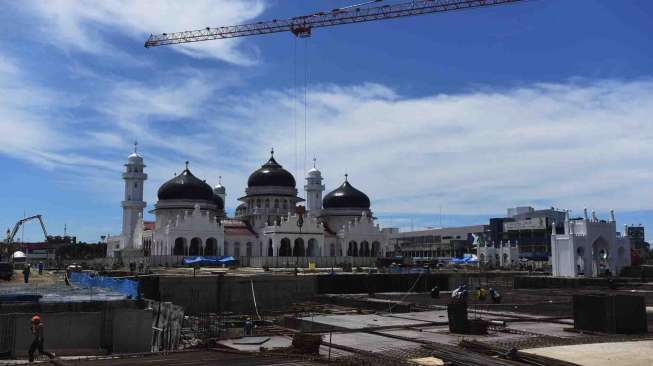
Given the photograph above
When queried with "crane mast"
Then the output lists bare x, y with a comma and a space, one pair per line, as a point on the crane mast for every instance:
301, 26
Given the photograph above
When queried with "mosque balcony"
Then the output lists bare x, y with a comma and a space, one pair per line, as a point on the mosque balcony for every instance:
136, 204
134, 175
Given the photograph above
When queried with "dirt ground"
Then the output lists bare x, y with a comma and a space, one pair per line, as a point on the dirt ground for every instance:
46, 278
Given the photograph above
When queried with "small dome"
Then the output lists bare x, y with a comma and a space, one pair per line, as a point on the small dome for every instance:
186, 186
271, 174
134, 158
314, 173
346, 196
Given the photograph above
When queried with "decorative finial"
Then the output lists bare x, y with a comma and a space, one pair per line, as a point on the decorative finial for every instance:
220, 179
272, 151
186, 164
346, 175
135, 146
314, 160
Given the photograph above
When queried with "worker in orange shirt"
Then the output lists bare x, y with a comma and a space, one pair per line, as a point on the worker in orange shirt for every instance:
37, 328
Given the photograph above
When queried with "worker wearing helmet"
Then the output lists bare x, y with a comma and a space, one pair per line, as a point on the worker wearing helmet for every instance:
37, 344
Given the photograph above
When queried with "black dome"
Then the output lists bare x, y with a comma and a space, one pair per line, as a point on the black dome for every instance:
271, 174
218, 202
185, 186
346, 196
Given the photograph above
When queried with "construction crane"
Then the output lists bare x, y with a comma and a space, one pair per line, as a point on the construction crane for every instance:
11, 234
302, 26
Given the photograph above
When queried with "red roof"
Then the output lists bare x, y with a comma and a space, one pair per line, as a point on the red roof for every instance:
237, 227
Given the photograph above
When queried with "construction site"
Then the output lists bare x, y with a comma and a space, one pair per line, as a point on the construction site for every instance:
289, 280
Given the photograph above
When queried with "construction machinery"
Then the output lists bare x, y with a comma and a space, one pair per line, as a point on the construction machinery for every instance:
301, 26
6, 259
12, 233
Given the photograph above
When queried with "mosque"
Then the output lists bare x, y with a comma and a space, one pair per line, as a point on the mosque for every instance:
190, 217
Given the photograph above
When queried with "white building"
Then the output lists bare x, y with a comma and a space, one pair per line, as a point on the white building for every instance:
589, 247
190, 218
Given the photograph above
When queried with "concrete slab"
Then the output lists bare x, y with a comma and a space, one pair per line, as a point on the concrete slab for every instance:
371, 342
272, 342
549, 329
366, 321
441, 334
252, 340
436, 316
601, 354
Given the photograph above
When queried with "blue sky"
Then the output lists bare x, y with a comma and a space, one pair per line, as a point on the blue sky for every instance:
543, 103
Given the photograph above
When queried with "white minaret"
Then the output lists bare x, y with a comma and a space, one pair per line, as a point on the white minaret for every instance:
314, 189
220, 190
133, 204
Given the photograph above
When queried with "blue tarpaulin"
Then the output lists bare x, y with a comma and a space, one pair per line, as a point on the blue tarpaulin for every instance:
208, 261
124, 286
466, 259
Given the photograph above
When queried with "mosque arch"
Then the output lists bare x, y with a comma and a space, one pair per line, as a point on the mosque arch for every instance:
227, 250
236, 249
364, 250
299, 250
505, 259
180, 247
332, 249
580, 260
352, 249
211, 247
482, 258
276, 203
270, 248
195, 247
267, 203
600, 256
285, 249
313, 250
376, 249
248, 249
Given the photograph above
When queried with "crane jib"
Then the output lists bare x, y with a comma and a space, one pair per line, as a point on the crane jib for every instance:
301, 26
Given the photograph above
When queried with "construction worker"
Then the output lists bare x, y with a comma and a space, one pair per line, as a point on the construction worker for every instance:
37, 344
435, 292
495, 296
40, 267
26, 272
249, 326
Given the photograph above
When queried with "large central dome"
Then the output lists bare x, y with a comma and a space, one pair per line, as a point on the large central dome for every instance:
346, 196
186, 186
271, 174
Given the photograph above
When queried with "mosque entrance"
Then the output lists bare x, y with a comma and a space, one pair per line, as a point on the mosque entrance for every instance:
600, 257
211, 247
376, 249
195, 247
180, 247
285, 250
313, 250
352, 249
299, 250
364, 250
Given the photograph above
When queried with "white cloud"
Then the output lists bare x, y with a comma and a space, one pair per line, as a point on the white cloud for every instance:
89, 25
571, 144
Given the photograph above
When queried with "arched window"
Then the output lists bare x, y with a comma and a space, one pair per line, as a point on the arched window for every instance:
227, 249
285, 204
248, 249
285, 250
236, 249
332, 250
267, 203
195, 247
276, 203
299, 250
270, 248
258, 203
180, 247
211, 247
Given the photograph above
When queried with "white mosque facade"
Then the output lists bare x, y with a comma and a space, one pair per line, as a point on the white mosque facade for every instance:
272, 220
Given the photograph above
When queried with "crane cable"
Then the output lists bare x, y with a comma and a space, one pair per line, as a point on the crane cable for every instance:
294, 103
305, 102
